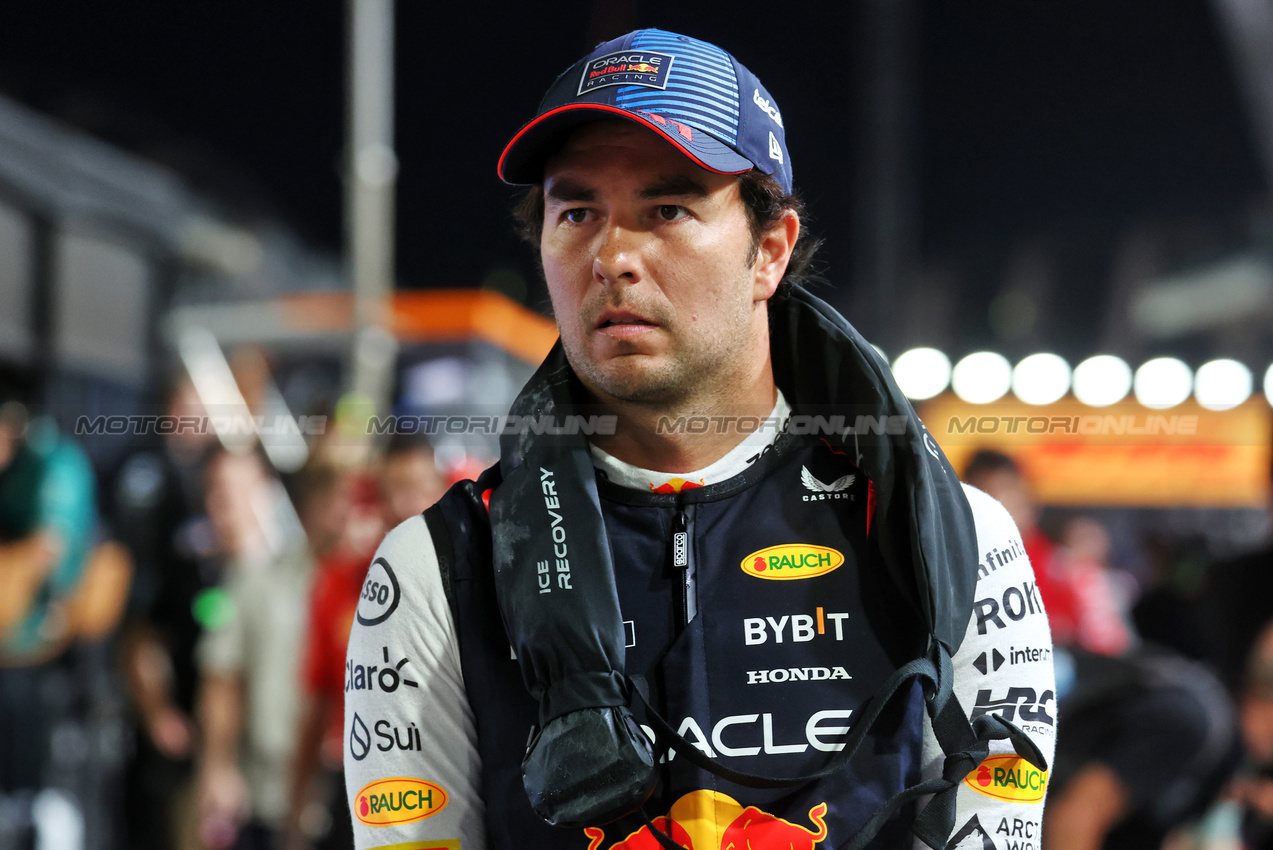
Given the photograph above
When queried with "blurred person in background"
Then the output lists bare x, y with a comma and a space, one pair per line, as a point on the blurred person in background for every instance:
1252, 790
1243, 818
1150, 741
1237, 604
158, 513
249, 662
407, 481
1081, 563
1168, 611
48, 517
1150, 737
56, 587
999, 475
1085, 607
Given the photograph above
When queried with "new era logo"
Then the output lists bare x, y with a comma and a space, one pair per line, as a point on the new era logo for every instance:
775, 149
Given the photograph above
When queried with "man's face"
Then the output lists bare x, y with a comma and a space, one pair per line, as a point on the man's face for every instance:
1013, 493
646, 256
235, 490
409, 483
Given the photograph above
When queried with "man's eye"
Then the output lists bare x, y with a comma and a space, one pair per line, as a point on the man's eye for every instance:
575, 216
671, 212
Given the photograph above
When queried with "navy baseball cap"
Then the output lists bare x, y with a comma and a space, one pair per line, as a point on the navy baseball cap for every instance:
693, 94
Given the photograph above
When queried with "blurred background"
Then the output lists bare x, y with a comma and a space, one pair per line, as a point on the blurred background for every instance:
282, 222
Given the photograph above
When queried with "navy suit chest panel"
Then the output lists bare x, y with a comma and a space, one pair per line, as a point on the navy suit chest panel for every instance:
793, 630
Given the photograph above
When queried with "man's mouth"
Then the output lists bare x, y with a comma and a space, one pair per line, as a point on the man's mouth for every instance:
625, 327
610, 320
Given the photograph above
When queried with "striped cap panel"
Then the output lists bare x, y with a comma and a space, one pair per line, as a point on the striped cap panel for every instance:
701, 88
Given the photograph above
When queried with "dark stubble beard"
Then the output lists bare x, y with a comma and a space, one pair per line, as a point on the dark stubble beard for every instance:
679, 379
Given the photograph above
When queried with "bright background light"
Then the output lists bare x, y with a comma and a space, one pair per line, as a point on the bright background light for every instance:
1268, 383
982, 377
1041, 378
1102, 380
922, 372
1222, 384
1162, 382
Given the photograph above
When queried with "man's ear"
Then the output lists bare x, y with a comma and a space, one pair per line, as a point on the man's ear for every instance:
773, 253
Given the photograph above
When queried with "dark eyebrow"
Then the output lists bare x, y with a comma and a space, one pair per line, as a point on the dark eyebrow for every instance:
568, 190
680, 185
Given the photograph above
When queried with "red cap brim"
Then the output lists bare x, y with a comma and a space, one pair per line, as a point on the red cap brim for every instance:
522, 161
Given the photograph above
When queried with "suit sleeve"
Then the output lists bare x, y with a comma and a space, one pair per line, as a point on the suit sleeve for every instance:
1003, 667
411, 762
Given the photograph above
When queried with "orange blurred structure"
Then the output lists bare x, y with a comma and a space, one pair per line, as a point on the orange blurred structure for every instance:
1123, 455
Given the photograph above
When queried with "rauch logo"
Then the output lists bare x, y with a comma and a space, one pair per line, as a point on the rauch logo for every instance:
1008, 777
397, 800
792, 561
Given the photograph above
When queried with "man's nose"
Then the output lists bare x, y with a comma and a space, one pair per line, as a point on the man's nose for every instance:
618, 256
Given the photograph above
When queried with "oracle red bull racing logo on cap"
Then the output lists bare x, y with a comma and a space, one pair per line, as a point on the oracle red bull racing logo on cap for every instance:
626, 68
790, 561
398, 800
710, 820
1010, 778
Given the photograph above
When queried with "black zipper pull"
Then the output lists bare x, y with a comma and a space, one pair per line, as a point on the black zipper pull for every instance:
680, 539
681, 564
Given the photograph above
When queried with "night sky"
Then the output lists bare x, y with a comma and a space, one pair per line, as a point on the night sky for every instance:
1069, 121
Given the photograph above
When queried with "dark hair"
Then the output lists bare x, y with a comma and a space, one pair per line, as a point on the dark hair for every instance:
765, 201
315, 480
404, 444
988, 461
16, 384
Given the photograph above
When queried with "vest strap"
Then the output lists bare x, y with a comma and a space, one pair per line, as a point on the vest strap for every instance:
966, 744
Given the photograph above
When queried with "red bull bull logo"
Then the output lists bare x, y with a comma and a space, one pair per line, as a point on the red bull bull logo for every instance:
790, 561
642, 839
643, 68
675, 485
710, 820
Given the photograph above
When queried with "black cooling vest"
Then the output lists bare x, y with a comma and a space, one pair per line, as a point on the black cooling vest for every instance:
795, 626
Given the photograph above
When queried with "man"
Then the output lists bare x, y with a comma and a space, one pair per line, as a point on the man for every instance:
1149, 735
48, 528
48, 522
1150, 741
1083, 608
1253, 789
158, 502
696, 572
1237, 603
407, 482
248, 702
